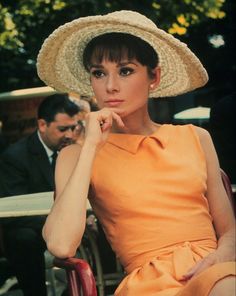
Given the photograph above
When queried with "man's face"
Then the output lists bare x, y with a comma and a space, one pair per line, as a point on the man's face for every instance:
58, 133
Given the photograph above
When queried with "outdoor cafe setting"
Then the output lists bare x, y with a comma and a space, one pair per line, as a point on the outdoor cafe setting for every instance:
22, 105
117, 148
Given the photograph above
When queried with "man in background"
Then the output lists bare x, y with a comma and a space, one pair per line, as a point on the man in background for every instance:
27, 166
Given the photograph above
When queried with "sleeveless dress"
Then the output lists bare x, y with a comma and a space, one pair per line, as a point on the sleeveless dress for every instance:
149, 195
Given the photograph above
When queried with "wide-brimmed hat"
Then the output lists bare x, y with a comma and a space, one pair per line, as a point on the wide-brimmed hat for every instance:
60, 60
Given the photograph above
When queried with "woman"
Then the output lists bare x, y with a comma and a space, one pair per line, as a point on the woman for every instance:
156, 189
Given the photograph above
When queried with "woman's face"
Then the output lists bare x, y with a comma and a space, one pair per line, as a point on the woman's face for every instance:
122, 87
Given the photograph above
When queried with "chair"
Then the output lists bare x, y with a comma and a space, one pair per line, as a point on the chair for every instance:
88, 258
228, 189
79, 276
81, 280
51, 281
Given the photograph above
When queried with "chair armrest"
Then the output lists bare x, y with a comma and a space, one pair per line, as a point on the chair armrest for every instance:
228, 189
79, 274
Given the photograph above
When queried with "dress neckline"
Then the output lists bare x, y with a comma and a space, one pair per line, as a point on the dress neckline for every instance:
131, 142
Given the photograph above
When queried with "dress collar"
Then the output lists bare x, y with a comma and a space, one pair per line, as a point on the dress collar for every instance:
131, 143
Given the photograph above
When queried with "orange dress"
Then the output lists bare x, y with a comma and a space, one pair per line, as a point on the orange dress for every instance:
149, 194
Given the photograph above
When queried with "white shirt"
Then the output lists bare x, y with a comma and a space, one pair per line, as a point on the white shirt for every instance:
48, 150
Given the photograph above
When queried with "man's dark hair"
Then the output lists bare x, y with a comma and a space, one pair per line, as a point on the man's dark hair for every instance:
54, 104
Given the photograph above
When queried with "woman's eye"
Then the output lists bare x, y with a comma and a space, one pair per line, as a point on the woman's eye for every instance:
126, 71
97, 73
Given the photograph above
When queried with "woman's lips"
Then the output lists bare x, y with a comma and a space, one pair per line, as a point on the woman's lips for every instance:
113, 103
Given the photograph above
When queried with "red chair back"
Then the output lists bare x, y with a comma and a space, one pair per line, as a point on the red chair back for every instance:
228, 189
79, 275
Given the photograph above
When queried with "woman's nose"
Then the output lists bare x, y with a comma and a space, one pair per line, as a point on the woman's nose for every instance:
112, 84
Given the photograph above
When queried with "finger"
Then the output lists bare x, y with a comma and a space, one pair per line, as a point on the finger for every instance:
205, 264
106, 122
104, 118
192, 271
105, 125
199, 267
118, 119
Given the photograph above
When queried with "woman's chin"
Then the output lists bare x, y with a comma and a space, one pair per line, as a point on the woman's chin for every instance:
117, 110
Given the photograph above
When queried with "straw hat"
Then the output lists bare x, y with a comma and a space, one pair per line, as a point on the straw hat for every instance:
60, 64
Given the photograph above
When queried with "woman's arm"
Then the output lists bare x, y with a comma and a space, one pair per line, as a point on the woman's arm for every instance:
220, 209
65, 224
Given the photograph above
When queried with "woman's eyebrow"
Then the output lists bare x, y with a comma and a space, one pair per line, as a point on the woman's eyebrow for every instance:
120, 64
125, 63
99, 66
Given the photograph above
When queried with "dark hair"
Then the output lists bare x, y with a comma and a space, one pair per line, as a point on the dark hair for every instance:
54, 104
115, 46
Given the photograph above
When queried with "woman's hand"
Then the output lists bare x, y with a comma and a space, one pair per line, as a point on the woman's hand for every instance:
98, 126
224, 253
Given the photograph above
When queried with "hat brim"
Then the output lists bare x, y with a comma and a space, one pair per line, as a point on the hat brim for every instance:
60, 64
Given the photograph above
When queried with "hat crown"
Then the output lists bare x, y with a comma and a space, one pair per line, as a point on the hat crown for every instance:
129, 16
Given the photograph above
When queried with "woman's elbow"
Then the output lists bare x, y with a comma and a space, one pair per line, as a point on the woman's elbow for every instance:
60, 247
61, 250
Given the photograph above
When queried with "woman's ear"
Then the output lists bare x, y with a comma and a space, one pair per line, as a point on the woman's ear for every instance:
156, 77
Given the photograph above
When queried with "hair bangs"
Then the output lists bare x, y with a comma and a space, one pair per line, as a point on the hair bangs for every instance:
112, 53
115, 47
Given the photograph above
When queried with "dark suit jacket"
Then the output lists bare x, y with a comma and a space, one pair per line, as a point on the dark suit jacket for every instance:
24, 169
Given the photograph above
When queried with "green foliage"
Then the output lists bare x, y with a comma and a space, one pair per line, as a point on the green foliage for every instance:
18, 18
10, 37
24, 24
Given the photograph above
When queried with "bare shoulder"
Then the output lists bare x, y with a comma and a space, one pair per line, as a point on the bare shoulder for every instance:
68, 157
204, 136
208, 147
209, 150
202, 133
71, 151
66, 162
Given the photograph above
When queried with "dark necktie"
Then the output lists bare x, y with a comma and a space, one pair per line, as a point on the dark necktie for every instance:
54, 158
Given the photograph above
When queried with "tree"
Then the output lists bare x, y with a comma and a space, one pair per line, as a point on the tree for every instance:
26, 23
